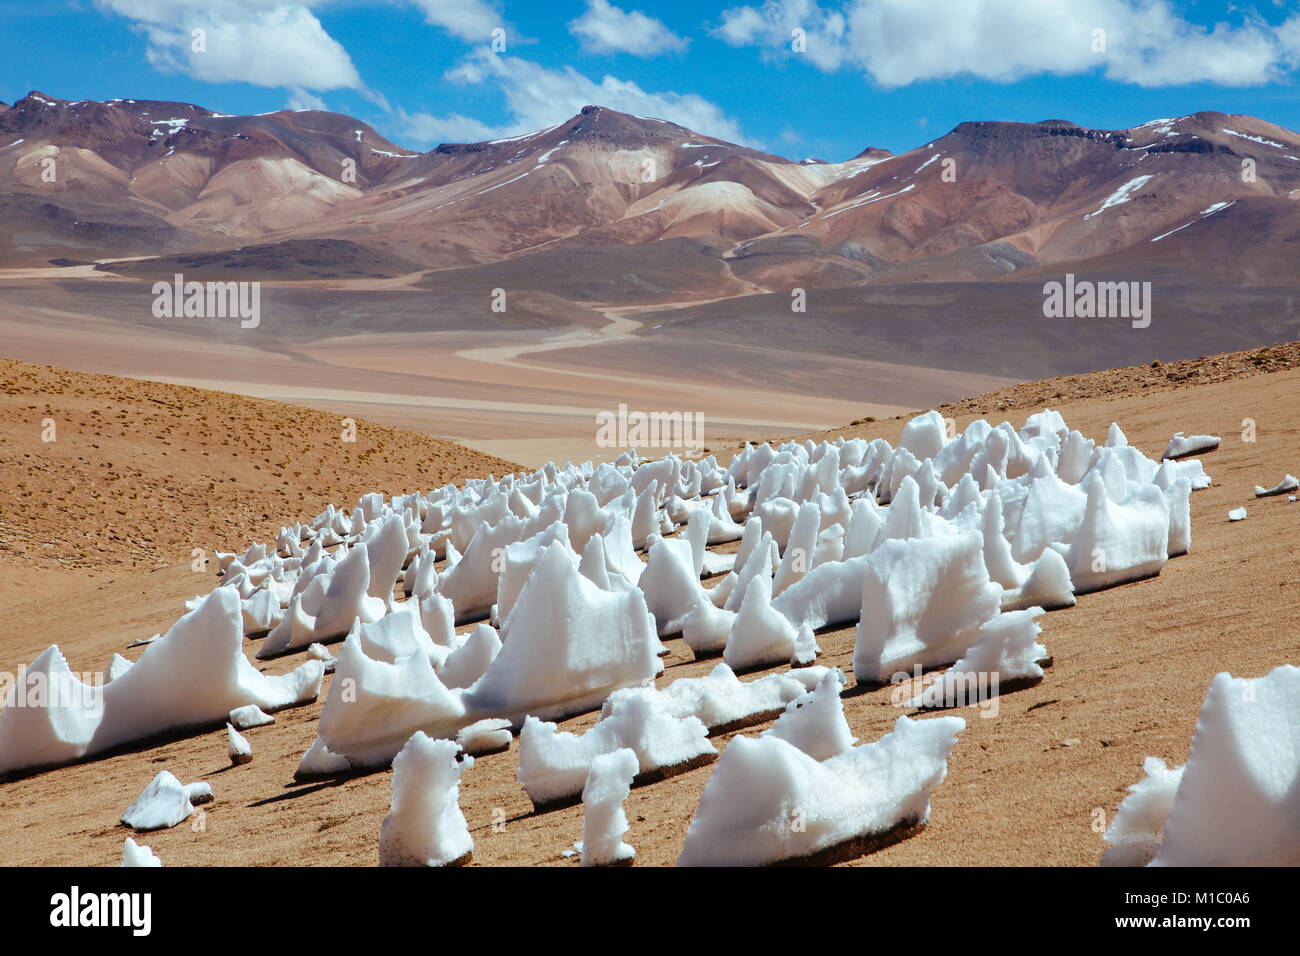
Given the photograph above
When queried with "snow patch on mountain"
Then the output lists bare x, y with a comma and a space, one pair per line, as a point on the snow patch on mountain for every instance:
1121, 195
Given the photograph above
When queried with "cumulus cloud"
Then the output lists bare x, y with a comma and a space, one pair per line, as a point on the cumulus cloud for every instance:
818, 34
538, 97
605, 28
898, 42
470, 20
253, 41
426, 129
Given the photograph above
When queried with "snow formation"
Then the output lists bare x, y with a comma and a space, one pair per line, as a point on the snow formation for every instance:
164, 803
767, 801
1236, 801
1180, 446
238, 749
248, 717
603, 821
924, 601
1287, 485
487, 736
1004, 655
553, 764
135, 855
426, 826
942, 550
723, 702
815, 722
192, 677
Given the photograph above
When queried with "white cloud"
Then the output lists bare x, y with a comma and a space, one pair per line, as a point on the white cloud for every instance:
300, 99
428, 130
470, 20
897, 42
605, 28
538, 97
774, 25
745, 26
377, 98
261, 42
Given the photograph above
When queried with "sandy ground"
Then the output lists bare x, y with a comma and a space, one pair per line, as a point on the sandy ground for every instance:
1132, 665
99, 472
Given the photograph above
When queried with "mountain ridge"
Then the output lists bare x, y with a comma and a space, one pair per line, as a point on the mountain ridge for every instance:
986, 200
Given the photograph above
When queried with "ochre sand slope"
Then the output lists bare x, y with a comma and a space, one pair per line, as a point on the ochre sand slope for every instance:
1132, 665
98, 471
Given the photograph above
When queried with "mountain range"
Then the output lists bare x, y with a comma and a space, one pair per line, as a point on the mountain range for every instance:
925, 248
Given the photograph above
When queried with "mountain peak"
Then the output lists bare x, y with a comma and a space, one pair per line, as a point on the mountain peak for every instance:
604, 123
874, 152
36, 96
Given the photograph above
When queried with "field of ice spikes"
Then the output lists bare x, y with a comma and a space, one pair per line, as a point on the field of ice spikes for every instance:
946, 551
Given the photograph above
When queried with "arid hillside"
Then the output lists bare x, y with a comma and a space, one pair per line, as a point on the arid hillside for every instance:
98, 472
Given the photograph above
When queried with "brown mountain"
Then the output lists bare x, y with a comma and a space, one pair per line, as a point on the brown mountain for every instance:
986, 200
955, 236
208, 176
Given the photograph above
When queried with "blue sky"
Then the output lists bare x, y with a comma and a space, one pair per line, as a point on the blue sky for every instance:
892, 73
